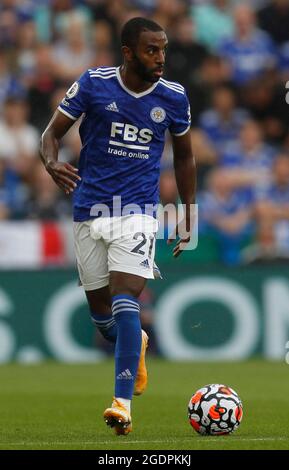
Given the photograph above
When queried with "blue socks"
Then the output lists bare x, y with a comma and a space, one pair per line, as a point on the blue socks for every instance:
106, 325
125, 310
123, 328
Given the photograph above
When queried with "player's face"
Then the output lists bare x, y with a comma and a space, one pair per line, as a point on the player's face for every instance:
148, 59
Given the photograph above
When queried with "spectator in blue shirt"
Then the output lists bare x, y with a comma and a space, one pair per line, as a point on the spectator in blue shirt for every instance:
249, 159
250, 52
284, 60
13, 194
272, 204
9, 85
222, 123
4, 194
226, 213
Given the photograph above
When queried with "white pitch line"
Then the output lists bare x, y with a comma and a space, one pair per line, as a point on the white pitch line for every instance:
171, 441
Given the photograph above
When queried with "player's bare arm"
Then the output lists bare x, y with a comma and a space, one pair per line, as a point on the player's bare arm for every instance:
185, 172
64, 174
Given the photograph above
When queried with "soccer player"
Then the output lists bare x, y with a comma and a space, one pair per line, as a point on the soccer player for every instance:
126, 112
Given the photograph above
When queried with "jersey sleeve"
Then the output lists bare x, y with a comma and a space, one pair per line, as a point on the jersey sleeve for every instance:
181, 118
76, 100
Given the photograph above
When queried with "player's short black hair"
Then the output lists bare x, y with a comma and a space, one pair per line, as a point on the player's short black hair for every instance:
131, 30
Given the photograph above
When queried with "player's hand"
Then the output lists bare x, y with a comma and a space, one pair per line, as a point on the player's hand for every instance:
64, 175
180, 246
182, 231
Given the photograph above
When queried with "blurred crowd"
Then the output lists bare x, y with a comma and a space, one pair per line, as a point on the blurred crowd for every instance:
233, 59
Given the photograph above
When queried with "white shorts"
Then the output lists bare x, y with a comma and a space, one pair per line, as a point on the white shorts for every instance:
125, 244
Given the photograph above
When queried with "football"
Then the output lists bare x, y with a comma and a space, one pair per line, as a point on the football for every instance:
215, 410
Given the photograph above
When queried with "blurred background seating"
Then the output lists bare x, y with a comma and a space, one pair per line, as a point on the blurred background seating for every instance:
233, 59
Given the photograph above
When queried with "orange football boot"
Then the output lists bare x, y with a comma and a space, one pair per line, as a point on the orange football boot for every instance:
118, 417
142, 375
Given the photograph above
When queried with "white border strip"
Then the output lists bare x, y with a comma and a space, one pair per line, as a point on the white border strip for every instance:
67, 114
105, 77
135, 147
182, 133
172, 84
132, 93
171, 88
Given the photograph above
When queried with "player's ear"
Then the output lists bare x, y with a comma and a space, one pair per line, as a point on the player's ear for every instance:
127, 53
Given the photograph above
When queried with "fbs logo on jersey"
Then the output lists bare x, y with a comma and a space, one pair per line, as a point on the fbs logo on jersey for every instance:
158, 114
130, 134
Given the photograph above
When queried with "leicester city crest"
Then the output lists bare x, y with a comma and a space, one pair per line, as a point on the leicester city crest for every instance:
158, 114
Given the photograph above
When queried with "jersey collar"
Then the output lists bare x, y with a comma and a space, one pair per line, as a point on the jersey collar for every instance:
130, 92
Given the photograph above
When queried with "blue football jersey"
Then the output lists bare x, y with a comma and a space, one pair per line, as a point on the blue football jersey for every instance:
122, 135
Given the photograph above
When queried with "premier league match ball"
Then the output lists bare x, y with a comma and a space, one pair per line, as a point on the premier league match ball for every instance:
215, 410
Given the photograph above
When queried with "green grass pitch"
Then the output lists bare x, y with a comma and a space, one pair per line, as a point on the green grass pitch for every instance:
56, 406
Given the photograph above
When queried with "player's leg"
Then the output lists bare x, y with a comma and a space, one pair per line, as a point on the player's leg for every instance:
92, 265
125, 289
99, 301
131, 344
132, 285
91, 258
130, 259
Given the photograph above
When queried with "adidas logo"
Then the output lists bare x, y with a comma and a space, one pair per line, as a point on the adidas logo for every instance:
145, 263
112, 107
125, 375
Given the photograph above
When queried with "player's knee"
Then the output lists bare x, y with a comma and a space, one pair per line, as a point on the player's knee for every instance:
124, 290
99, 301
126, 284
